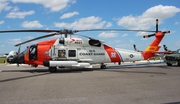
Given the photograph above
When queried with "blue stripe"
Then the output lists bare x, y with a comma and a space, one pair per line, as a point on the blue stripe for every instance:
119, 55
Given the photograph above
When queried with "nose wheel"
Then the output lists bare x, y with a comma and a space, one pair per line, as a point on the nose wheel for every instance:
103, 66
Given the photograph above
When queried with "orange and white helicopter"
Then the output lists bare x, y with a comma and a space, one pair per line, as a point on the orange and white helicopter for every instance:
79, 53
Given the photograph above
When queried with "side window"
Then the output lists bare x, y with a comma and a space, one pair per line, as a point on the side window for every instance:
72, 53
62, 53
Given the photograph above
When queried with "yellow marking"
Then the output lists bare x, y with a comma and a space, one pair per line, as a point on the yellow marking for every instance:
151, 48
156, 22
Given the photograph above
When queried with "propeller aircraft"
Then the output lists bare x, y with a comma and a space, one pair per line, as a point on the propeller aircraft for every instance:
77, 52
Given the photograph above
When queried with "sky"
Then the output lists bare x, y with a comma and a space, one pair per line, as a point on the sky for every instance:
91, 14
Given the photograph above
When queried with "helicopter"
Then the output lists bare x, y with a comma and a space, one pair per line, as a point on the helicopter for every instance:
70, 52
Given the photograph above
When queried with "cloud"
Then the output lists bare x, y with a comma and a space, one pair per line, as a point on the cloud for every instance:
124, 35
14, 41
15, 14
124, 45
68, 15
143, 33
31, 24
109, 24
15, 9
177, 23
147, 19
4, 5
112, 42
131, 41
54, 5
177, 43
91, 22
108, 35
1, 22
2, 46
27, 38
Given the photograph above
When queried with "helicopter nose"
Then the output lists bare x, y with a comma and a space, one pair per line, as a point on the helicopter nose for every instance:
10, 59
19, 59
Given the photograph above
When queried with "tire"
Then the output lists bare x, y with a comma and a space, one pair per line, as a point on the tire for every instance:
169, 64
103, 66
178, 62
52, 69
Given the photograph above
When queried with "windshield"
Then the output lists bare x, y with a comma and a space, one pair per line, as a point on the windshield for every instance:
25, 51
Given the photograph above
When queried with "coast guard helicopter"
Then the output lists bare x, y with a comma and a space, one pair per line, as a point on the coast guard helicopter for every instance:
79, 53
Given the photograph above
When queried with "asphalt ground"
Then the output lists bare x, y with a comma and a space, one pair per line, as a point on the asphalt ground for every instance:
137, 84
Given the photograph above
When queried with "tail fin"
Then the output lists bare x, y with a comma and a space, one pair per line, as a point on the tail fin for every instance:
153, 47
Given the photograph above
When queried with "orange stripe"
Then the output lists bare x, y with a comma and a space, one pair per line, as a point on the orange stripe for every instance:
112, 53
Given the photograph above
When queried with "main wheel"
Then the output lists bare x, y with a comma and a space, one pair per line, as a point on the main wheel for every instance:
103, 66
52, 69
169, 64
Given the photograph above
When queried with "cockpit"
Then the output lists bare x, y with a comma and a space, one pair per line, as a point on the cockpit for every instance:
33, 52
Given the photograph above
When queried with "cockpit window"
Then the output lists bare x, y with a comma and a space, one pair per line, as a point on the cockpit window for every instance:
95, 43
25, 51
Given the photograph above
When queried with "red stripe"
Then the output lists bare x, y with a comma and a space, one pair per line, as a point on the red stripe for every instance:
112, 53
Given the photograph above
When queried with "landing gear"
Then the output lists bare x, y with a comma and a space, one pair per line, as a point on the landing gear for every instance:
52, 69
169, 64
34, 65
119, 63
103, 66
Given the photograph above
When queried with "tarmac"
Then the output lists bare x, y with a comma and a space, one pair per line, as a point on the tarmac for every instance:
139, 83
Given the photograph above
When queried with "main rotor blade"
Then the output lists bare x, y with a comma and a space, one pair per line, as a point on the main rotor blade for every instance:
6, 31
86, 37
65, 31
113, 30
45, 36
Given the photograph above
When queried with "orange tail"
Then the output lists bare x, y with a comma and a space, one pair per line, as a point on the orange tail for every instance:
153, 47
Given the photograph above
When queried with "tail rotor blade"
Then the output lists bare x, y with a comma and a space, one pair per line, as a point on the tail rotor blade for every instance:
165, 32
156, 25
147, 36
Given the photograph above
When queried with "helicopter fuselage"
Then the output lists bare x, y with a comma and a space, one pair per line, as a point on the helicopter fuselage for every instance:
75, 52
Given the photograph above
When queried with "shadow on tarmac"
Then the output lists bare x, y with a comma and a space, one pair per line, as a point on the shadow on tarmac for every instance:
24, 77
41, 72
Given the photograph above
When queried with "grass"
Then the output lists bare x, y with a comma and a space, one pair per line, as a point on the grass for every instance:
3, 60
